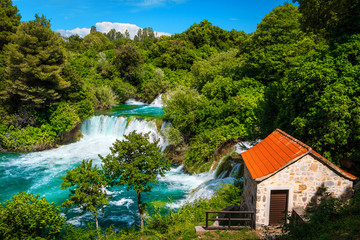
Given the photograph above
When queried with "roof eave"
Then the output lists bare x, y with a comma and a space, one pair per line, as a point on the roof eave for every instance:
322, 160
332, 166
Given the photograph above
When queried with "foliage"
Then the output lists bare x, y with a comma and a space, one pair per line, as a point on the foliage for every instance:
35, 58
26, 216
123, 90
330, 19
320, 101
136, 162
180, 107
28, 139
127, 59
333, 218
10, 20
219, 64
106, 97
64, 118
87, 188
180, 223
205, 34
96, 41
172, 53
152, 82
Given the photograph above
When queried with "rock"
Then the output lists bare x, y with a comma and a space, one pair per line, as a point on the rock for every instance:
200, 230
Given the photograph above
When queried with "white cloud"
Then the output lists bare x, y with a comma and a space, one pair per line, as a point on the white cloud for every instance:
106, 27
79, 31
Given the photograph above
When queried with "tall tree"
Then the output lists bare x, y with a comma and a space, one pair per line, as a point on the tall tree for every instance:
127, 34
93, 29
35, 58
330, 18
127, 59
136, 162
10, 20
87, 189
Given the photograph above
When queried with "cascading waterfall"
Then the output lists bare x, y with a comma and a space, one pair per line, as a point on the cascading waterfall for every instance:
212, 183
39, 172
117, 127
158, 102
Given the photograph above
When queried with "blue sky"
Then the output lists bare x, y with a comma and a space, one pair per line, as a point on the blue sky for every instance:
167, 16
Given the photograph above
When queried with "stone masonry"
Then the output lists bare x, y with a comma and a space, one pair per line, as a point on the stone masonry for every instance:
303, 178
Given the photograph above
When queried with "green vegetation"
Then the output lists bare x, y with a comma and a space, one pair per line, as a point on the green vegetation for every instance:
296, 72
331, 219
299, 71
26, 216
87, 189
165, 223
136, 162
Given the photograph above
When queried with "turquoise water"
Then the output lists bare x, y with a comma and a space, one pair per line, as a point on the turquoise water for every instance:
39, 172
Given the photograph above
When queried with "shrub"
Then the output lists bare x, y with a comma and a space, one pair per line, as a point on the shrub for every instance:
106, 97
26, 216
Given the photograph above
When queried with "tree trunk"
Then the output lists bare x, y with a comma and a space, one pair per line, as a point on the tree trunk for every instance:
97, 226
141, 212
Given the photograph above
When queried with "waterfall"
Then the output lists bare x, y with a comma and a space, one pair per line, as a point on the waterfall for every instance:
210, 183
117, 127
158, 102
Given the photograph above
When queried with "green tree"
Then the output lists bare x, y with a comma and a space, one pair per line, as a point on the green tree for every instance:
136, 162
10, 20
127, 59
93, 29
174, 54
330, 18
127, 34
97, 41
26, 216
320, 102
87, 189
35, 59
181, 108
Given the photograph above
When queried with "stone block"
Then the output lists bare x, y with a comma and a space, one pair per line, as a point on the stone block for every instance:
329, 183
302, 187
200, 230
313, 167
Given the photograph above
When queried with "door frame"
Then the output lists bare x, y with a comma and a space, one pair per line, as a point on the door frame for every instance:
290, 202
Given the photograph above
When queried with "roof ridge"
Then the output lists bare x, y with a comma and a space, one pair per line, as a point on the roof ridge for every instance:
294, 139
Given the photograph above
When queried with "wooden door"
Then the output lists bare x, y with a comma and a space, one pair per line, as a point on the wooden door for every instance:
278, 206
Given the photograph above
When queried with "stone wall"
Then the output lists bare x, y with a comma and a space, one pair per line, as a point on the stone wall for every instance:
248, 198
303, 179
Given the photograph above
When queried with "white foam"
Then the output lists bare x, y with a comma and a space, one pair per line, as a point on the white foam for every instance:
123, 218
132, 101
122, 202
158, 102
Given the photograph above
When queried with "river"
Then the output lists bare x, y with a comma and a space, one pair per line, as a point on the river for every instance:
39, 172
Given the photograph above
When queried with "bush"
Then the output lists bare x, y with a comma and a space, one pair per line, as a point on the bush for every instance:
26, 216
64, 118
332, 219
106, 97
123, 90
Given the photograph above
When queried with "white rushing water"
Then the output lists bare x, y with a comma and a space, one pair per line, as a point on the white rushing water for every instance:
158, 102
40, 172
204, 185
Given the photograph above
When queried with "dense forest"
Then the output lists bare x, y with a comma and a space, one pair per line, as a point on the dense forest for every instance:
299, 71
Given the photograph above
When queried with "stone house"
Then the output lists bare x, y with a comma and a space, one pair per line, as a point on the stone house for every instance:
281, 174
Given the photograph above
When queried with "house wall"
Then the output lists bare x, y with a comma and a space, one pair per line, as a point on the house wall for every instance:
248, 197
303, 179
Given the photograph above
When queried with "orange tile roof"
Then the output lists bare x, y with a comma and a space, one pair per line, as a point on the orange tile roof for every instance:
276, 150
